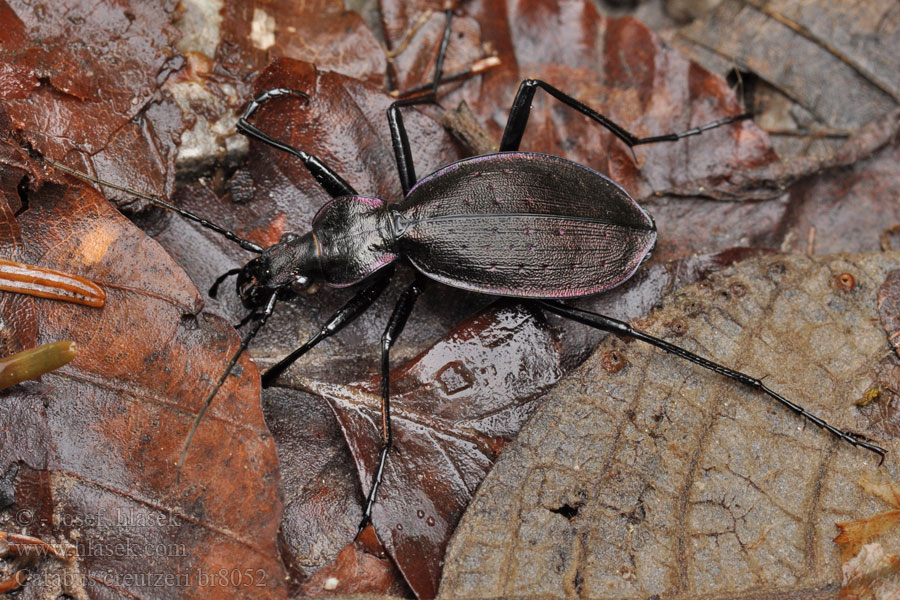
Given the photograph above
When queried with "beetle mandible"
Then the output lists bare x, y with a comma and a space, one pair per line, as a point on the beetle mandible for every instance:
512, 223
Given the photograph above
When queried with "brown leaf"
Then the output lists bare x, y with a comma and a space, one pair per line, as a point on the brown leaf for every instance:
454, 408
90, 450
840, 47
357, 570
845, 210
253, 32
847, 49
322, 503
854, 534
889, 307
89, 77
664, 478
881, 487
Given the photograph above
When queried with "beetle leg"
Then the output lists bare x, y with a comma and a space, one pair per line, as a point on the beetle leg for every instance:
345, 315
604, 323
261, 318
521, 109
399, 139
330, 181
395, 325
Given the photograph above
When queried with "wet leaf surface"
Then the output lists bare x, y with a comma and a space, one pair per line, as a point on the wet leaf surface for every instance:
455, 408
253, 32
362, 566
89, 450
616, 65
660, 477
90, 77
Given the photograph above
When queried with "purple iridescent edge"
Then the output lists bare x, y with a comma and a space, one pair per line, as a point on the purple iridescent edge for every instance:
512, 293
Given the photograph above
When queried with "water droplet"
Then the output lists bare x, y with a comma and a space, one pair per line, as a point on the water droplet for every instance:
399, 527
420, 513
430, 521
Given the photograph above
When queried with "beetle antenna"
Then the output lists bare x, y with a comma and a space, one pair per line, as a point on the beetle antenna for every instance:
261, 319
245, 244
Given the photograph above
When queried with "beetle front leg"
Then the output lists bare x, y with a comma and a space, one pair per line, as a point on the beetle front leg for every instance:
345, 315
395, 325
261, 317
521, 109
324, 175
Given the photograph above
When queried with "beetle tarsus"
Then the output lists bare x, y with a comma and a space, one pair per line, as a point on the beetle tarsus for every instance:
521, 109
617, 327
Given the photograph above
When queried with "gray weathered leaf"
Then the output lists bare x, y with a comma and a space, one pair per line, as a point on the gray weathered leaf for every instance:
666, 479
833, 65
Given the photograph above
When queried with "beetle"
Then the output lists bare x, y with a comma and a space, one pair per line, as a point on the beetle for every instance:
512, 223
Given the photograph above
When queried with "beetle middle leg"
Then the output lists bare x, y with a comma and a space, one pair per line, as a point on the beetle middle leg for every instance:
617, 327
521, 109
395, 325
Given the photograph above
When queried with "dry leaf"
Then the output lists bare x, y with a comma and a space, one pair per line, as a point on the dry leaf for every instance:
871, 575
90, 451
666, 479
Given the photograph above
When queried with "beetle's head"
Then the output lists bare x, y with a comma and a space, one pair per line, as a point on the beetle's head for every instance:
252, 282
288, 266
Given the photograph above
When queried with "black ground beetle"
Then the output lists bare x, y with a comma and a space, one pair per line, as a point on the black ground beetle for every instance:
517, 224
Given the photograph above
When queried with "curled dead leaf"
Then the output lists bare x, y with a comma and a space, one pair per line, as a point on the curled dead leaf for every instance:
871, 575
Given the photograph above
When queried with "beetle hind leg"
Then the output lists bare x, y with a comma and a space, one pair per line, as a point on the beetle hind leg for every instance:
521, 109
617, 327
